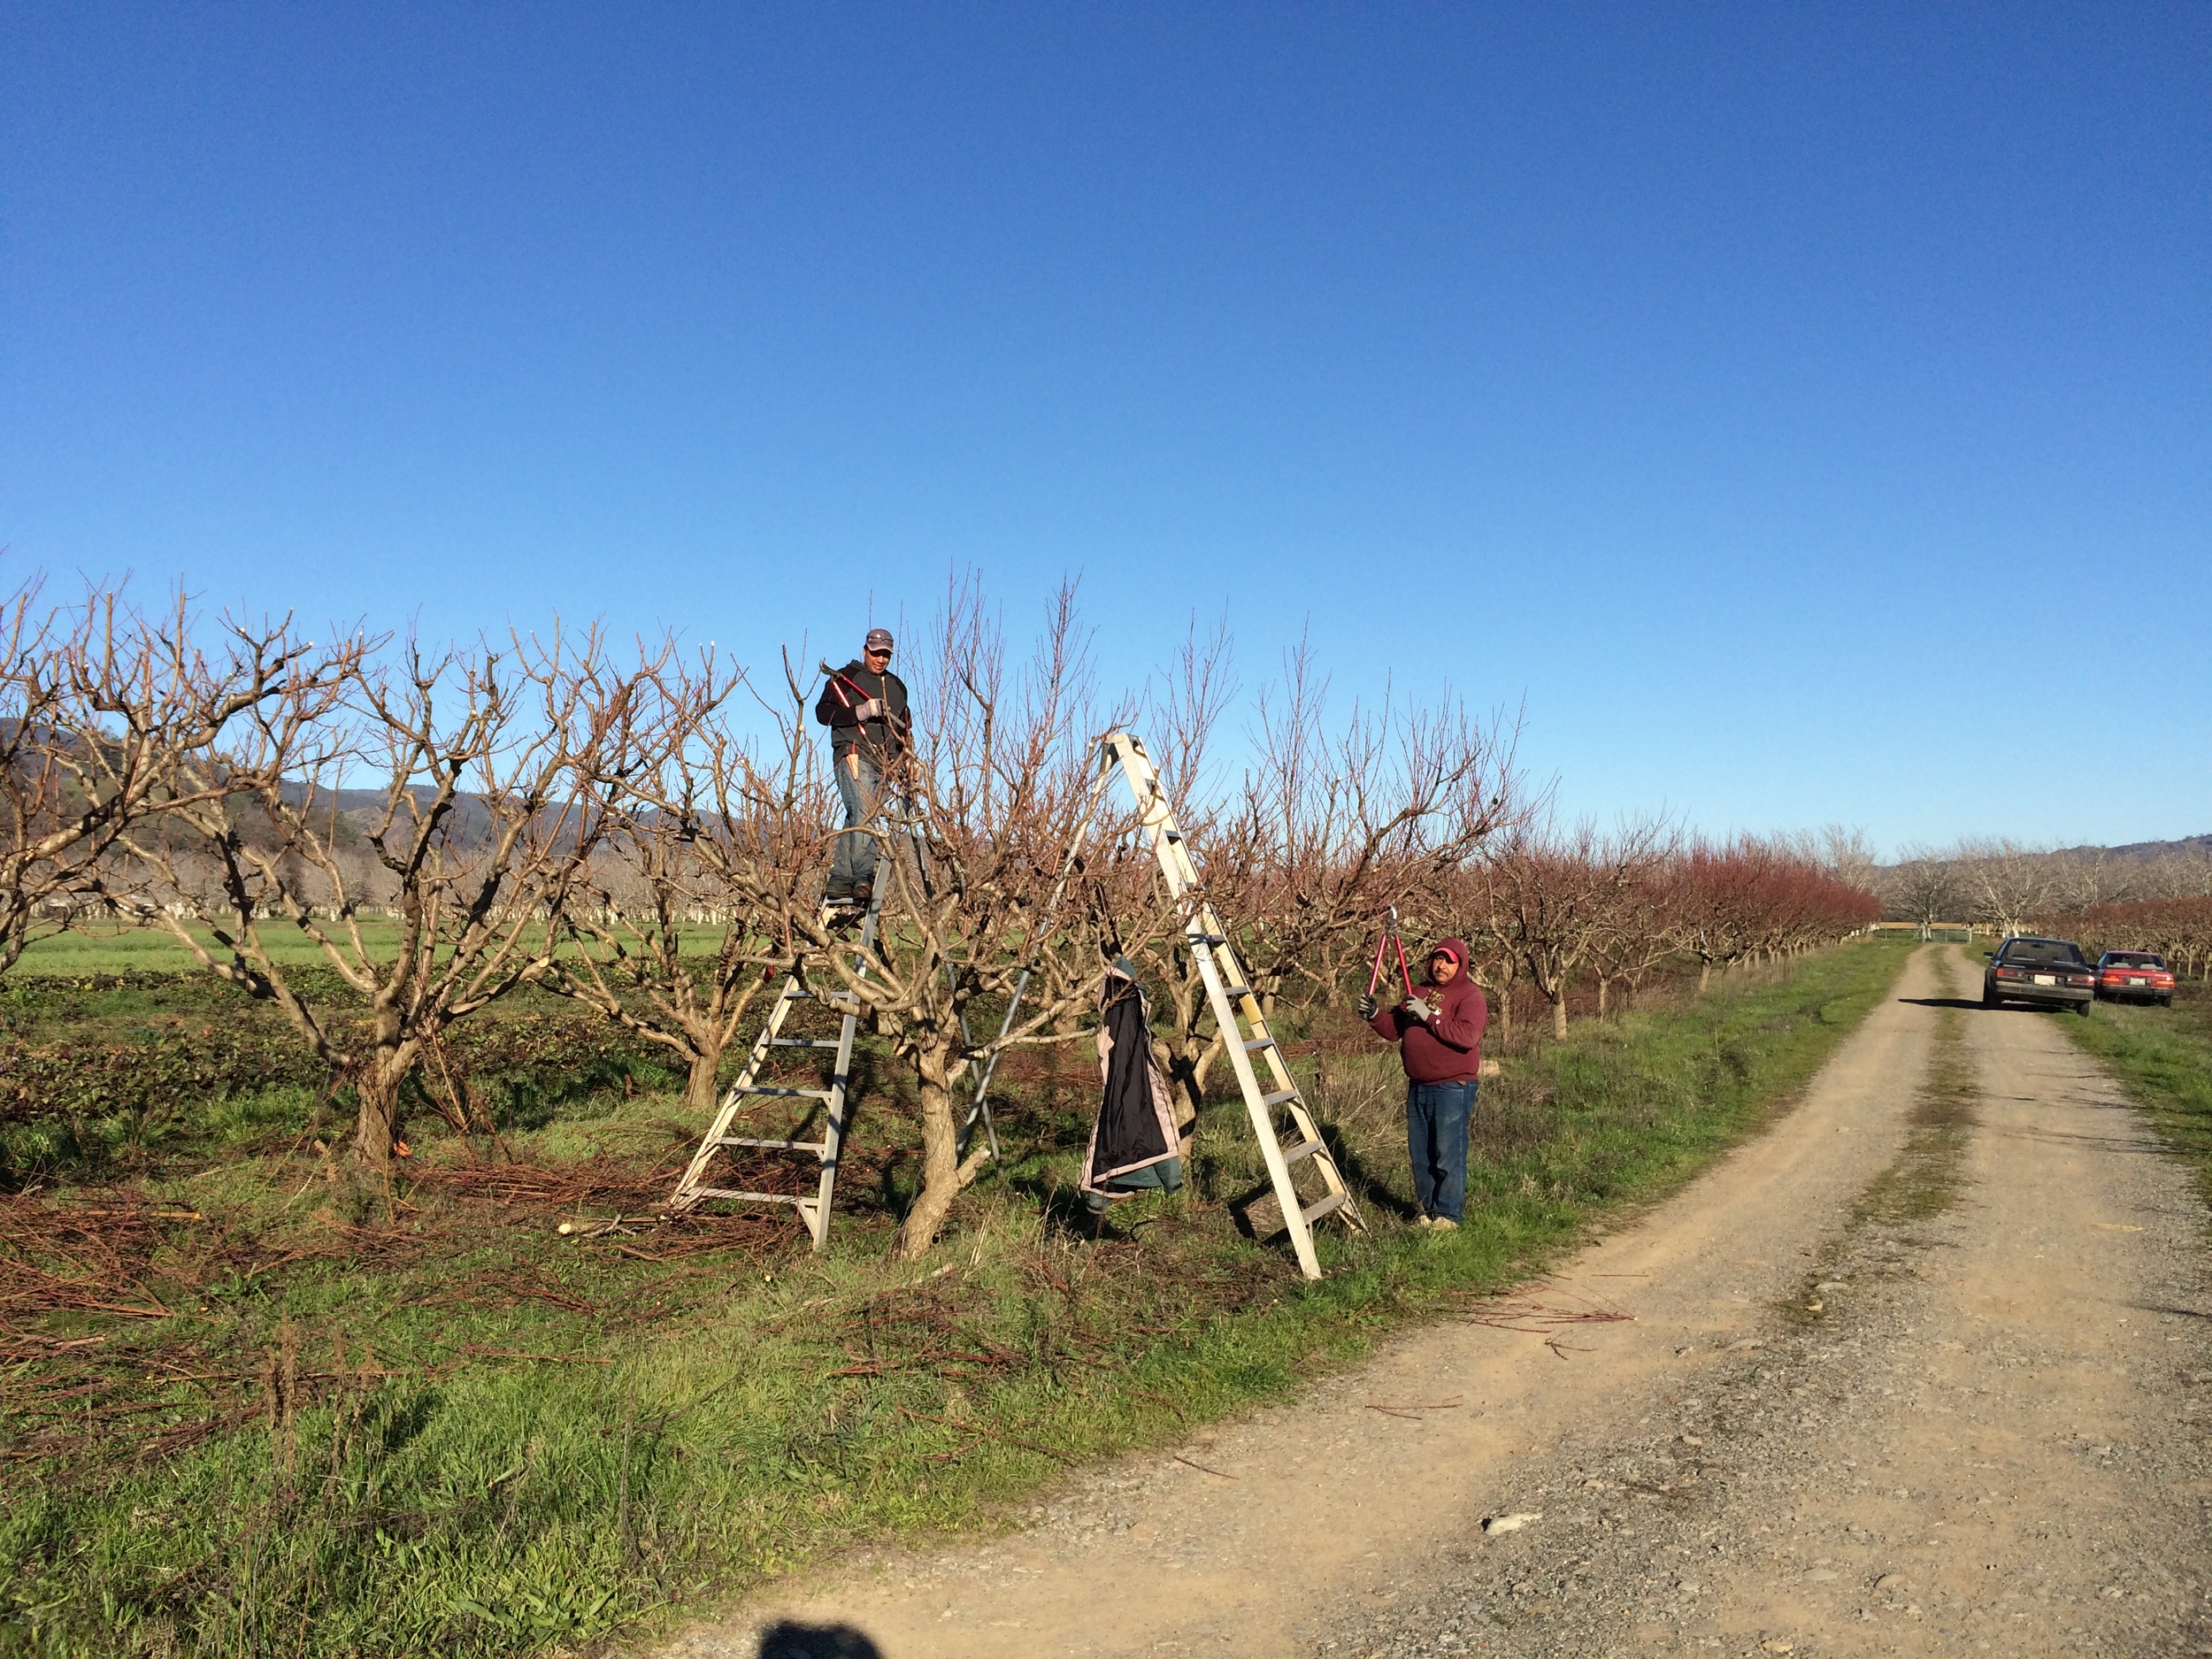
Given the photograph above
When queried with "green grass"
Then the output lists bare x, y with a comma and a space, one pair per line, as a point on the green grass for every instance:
330, 1440
2164, 1057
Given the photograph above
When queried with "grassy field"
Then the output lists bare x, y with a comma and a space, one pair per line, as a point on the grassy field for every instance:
251, 1407
2164, 1056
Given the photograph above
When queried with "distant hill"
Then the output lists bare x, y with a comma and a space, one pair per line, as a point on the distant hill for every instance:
2194, 846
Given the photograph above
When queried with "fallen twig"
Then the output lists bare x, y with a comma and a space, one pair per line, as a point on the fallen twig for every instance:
1201, 1468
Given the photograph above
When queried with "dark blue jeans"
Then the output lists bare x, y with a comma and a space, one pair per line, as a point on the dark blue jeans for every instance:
1436, 1137
855, 860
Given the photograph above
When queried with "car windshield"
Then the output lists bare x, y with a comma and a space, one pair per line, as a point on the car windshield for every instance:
2042, 952
2132, 959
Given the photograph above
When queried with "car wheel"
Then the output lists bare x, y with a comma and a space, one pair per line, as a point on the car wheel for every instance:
1990, 999
2165, 1001
2082, 1009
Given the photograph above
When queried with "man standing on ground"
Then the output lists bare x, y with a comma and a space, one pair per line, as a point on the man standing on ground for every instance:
1438, 1033
864, 704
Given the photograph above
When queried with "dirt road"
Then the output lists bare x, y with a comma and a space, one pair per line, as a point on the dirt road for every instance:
1924, 1370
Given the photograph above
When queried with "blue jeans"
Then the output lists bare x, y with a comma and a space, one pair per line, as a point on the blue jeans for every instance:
855, 860
1436, 1136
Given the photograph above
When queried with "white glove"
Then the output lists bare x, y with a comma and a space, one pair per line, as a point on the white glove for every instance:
871, 709
1419, 1009
1367, 1007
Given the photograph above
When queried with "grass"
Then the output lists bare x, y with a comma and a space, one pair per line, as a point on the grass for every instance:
2164, 1057
318, 1431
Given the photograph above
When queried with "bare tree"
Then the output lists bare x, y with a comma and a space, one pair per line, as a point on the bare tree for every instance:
1924, 888
2006, 882
492, 771
978, 831
1636, 931
1331, 827
1552, 897
708, 875
97, 707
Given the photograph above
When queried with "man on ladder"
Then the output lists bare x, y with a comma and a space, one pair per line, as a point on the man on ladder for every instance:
864, 704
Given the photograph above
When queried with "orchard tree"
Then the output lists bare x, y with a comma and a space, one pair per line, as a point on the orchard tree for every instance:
488, 777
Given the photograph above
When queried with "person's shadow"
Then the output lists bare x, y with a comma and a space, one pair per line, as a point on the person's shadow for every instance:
787, 1640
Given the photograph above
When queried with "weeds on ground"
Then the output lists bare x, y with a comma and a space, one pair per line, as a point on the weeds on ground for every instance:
251, 1406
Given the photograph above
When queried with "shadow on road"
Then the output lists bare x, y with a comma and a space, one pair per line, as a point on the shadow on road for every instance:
1943, 1002
789, 1641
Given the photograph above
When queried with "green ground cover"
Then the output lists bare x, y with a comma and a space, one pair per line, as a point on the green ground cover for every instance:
2164, 1057
251, 1407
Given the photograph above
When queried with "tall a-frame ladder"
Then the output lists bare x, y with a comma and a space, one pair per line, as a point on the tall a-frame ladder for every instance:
1236, 1010
814, 1209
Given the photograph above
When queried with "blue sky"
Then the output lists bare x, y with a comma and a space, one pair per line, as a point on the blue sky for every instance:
1805, 409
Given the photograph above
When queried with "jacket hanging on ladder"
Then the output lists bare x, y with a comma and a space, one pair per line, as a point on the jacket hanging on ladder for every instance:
1134, 1144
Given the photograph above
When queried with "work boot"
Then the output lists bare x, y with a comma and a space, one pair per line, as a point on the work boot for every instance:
863, 892
1423, 1223
1442, 1224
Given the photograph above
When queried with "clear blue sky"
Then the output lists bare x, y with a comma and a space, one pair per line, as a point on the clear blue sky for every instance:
1809, 409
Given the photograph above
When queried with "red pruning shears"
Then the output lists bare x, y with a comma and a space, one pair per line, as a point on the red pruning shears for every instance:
1391, 937
837, 674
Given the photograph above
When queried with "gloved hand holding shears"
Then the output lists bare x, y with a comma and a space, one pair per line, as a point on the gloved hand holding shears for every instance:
1413, 1004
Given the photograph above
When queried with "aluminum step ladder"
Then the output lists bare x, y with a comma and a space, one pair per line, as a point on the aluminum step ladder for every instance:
1236, 1010
830, 1104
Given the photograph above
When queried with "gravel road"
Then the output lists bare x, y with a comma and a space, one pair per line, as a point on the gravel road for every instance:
1922, 1370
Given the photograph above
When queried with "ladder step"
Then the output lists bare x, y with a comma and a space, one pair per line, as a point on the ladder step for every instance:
1258, 1043
1303, 1149
814, 1146
792, 1094
1236, 990
1330, 1205
1209, 939
806, 1042
1279, 1097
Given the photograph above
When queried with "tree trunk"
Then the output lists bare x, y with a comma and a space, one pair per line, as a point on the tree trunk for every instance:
702, 1093
377, 1125
1704, 975
1559, 1013
943, 1174
1602, 983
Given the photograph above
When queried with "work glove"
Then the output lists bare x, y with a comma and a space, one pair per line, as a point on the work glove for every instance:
871, 709
1367, 1007
1419, 1009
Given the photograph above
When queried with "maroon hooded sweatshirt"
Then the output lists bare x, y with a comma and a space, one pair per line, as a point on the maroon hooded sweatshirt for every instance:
1446, 1048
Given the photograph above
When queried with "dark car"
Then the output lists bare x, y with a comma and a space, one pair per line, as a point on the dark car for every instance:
2052, 972
2122, 976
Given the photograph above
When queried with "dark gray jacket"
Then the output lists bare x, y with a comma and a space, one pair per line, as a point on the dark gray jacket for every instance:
880, 741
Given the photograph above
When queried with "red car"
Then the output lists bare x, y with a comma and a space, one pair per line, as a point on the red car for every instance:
2124, 975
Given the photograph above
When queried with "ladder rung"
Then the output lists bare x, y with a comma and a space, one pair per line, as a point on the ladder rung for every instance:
1209, 939
814, 1147
1236, 990
1258, 1043
1303, 1149
1321, 1207
1279, 1097
792, 1094
806, 1042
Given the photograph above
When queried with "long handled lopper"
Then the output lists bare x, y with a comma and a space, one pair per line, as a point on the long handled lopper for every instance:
1391, 936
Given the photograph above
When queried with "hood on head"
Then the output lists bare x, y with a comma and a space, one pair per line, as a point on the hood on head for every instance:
1455, 947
